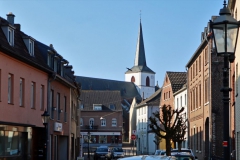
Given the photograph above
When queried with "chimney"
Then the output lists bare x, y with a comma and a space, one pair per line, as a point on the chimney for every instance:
10, 18
17, 26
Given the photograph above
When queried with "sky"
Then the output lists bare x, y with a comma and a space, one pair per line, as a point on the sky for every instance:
99, 37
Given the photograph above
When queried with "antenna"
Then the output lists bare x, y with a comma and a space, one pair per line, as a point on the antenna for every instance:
140, 15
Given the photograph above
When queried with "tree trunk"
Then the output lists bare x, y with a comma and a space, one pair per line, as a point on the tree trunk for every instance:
179, 146
168, 147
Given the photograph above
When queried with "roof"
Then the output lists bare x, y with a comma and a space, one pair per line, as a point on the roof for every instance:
140, 64
177, 79
127, 89
105, 98
19, 50
154, 99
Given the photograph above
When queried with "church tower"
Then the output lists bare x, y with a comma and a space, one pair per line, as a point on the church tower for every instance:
142, 76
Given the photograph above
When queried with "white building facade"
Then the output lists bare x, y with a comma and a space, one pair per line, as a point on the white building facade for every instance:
180, 100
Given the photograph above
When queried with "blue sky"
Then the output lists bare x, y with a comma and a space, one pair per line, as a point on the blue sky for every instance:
99, 37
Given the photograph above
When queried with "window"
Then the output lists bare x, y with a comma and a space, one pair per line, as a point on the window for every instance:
112, 107
10, 88
185, 99
11, 36
103, 122
65, 108
91, 123
41, 97
147, 81
177, 103
193, 70
62, 67
193, 99
81, 122
97, 107
21, 92
133, 79
206, 90
206, 55
200, 98
32, 95
31, 48
55, 65
196, 97
196, 67
58, 105
11, 144
181, 101
49, 60
51, 103
114, 122
199, 63
81, 106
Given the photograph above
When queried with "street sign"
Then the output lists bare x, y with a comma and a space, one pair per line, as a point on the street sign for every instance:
133, 136
225, 143
134, 132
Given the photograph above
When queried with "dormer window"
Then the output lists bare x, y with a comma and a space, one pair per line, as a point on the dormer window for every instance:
112, 107
29, 42
97, 107
11, 36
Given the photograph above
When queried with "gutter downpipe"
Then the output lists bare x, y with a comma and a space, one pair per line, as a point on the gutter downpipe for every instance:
51, 78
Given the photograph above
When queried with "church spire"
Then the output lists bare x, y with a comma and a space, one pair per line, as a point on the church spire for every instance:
140, 59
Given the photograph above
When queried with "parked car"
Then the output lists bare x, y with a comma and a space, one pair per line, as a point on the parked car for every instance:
184, 150
115, 152
158, 157
183, 155
100, 153
159, 152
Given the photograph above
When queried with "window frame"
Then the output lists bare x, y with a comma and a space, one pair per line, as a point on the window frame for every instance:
114, 124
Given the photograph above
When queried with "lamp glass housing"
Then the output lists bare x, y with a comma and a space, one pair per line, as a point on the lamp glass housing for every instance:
45, 117
225, 37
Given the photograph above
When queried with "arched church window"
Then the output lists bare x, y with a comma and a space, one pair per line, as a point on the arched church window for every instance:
133, 79
147, 81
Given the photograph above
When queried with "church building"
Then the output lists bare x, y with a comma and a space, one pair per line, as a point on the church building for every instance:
140, 74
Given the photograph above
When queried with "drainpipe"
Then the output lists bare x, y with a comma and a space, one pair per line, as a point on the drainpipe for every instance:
51, 78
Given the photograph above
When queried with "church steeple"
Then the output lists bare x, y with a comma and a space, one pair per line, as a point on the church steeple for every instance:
140, 64
140, 59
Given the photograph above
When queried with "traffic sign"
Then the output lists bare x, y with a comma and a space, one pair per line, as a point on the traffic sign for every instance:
134, 132
225, 143
133, 136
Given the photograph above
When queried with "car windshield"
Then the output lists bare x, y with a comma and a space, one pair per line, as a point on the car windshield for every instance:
118, 150
102, 150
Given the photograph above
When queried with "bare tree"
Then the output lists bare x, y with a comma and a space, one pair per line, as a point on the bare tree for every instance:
166, 124
181, 129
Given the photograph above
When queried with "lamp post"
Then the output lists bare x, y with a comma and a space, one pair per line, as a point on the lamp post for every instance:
88, 141
45, 118
225, 33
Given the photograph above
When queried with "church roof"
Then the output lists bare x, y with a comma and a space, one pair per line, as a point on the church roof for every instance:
177, 79
127, 89
140, 64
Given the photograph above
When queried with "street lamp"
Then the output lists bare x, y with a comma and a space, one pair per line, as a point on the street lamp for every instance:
88, 134
45, 118
225, 33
